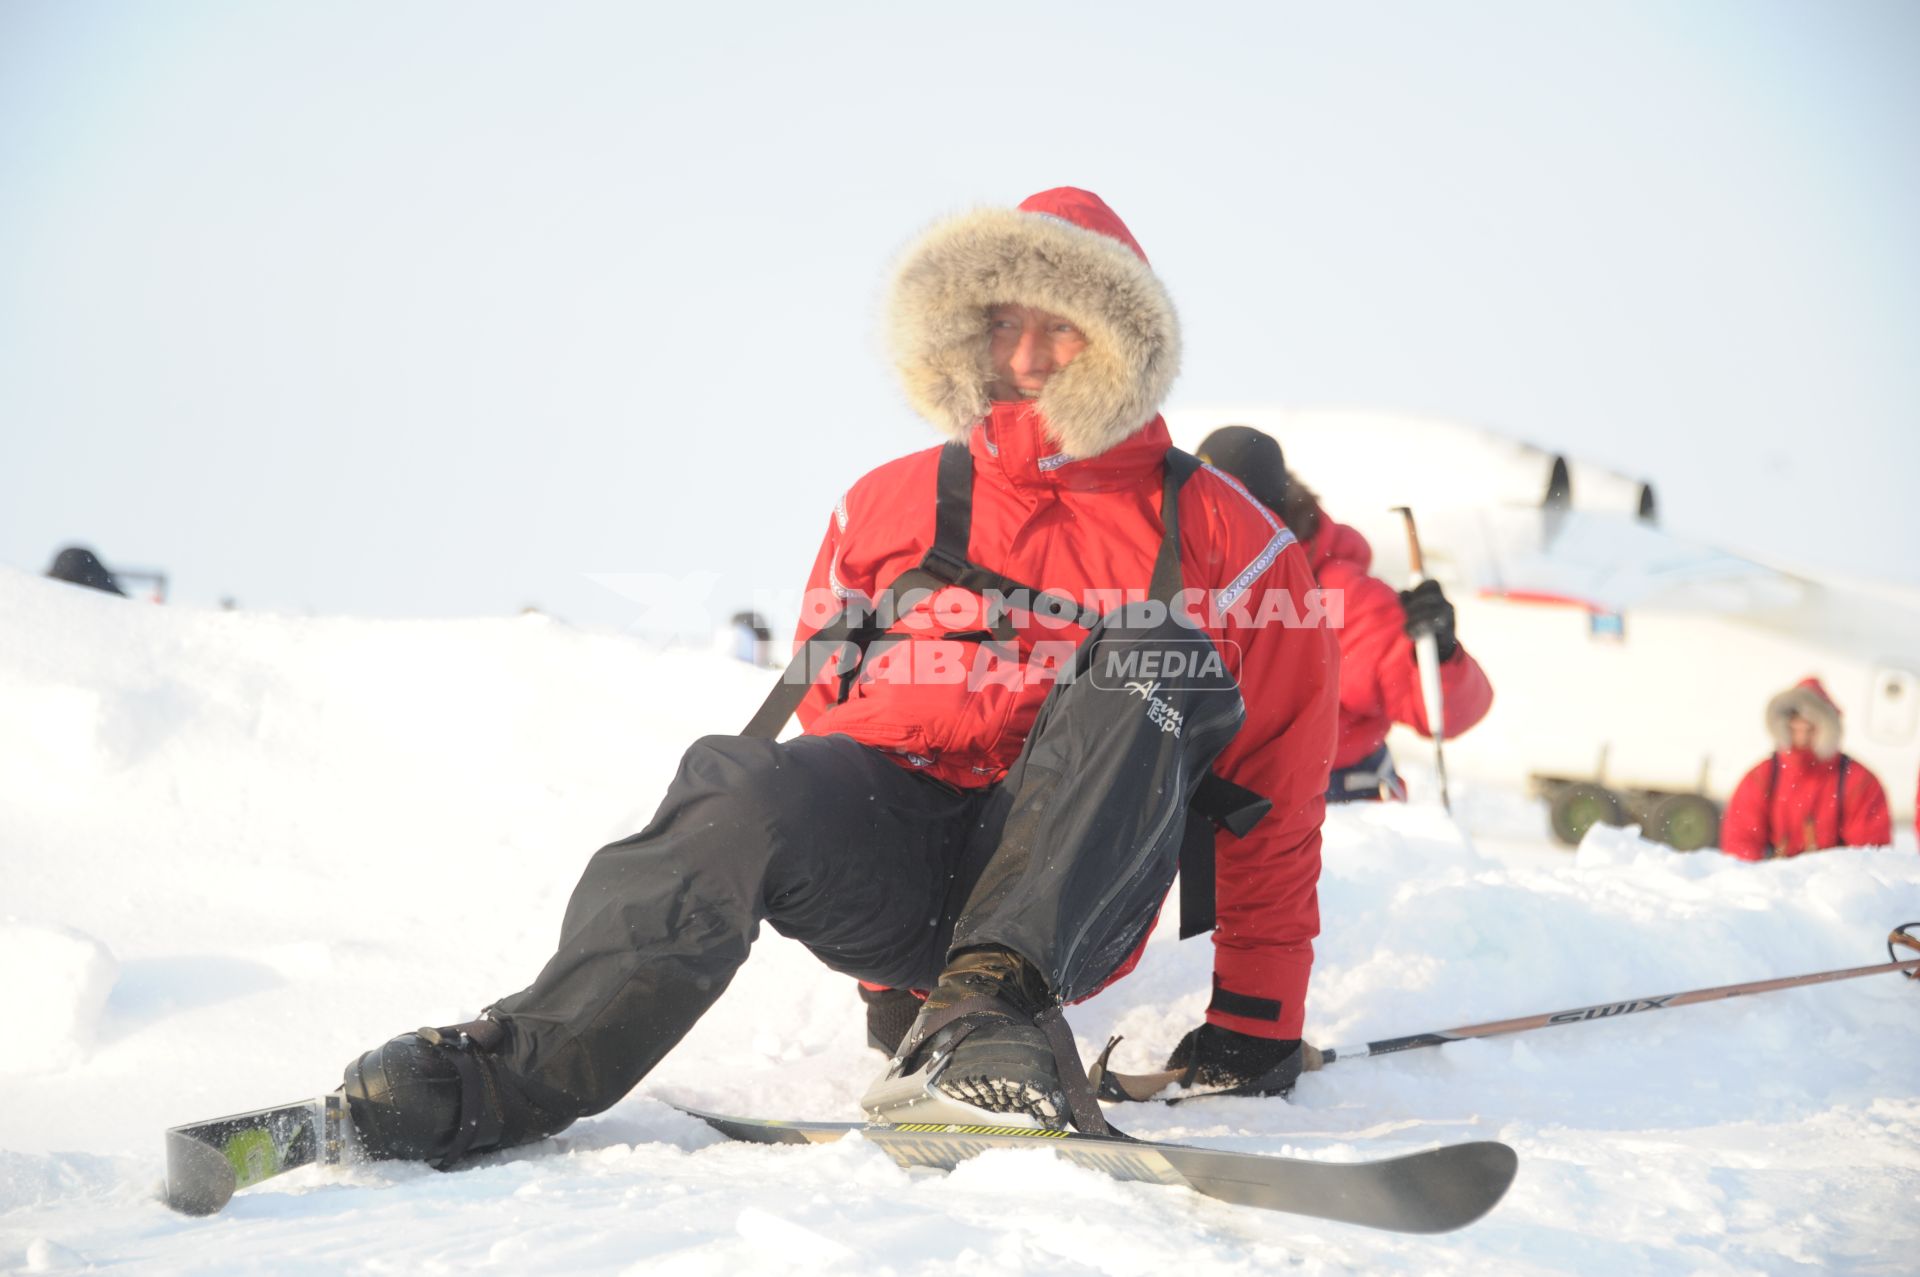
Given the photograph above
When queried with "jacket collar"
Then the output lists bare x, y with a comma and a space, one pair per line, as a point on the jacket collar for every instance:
1012, 446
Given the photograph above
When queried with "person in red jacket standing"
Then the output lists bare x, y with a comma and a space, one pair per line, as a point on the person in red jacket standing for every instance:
1379, 675
1808, 795
1019, 679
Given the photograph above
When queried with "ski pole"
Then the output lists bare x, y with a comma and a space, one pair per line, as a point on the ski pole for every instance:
1607, 1010
1113, 1085
1426, 653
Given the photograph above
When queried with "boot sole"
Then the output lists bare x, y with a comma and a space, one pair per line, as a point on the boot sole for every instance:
1005, 1078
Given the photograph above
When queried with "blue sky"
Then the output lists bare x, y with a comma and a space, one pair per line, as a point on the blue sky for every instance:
447, 309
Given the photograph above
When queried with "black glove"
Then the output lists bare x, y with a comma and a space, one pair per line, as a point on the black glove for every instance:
1221, 1059
1428, 612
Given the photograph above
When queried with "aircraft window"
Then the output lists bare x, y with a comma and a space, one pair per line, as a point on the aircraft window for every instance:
1893, 717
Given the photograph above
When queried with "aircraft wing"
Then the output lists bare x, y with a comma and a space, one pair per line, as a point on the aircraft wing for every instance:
1607, 562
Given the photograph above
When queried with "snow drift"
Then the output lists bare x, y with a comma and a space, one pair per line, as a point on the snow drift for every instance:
238, 849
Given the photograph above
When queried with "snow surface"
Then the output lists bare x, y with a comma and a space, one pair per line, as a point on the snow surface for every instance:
237, 849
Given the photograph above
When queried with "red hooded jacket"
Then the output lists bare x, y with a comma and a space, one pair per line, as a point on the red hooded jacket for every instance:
1074, 523
1805, 814
1379, 678
1806, 810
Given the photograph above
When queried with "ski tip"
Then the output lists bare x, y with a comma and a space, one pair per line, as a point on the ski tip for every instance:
1480, 1173
200, 1180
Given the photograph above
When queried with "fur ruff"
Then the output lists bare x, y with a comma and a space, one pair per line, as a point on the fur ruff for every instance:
956, 271
1810, 704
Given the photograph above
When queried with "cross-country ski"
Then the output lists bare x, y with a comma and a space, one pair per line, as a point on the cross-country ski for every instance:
1434, 1191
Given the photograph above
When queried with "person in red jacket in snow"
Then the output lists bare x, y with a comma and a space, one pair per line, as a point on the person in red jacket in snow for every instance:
1808, 795
1379, 676
1020, 686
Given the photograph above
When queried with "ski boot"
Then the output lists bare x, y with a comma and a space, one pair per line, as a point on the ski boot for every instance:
428, 1096
978, 1053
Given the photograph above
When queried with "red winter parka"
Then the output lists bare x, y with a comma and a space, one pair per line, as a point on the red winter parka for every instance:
1797, 800
1066, 497
1379, 678
1806, 813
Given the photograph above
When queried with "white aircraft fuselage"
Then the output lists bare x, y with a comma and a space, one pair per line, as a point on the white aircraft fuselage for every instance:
1617, 651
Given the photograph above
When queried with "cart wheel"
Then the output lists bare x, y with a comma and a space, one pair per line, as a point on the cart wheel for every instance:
1686, 822
1578, 808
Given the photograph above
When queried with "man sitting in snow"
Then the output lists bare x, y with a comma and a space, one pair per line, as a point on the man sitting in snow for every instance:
1808, 795
960, 816
1379, 676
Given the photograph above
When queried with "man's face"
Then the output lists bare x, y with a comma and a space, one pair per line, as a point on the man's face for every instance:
1800, 732
1028, 346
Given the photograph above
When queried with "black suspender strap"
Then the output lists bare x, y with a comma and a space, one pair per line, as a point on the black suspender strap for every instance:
853, 629
946, 563
952, 515
1840, 805
1167, 581
848, 634
1766, 810
1839, 801
1217, 802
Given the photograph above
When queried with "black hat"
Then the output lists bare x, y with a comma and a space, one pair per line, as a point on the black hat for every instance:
1251, 457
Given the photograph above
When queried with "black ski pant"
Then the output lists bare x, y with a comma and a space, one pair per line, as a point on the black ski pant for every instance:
880, 871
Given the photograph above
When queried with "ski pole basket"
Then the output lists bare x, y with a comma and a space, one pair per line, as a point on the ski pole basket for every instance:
1903, 936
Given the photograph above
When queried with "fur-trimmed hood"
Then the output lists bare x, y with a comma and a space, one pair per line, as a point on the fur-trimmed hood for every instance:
1063, 251
1809, 700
